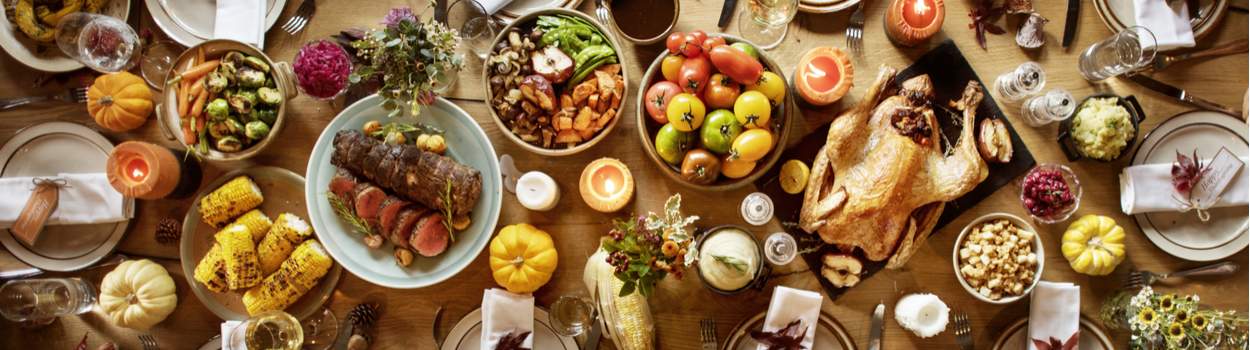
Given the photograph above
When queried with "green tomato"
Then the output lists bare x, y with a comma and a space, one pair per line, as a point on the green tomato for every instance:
750, 50
671, 144
719, 131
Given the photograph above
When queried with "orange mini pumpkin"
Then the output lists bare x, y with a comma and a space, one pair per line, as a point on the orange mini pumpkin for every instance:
824, 75
119, 101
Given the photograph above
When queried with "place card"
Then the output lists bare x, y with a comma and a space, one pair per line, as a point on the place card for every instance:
1224, 167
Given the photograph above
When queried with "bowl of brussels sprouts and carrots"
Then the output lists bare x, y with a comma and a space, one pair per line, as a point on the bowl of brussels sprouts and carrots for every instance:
225, 100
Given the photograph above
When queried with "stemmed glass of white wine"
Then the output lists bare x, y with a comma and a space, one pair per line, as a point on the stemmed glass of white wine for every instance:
270, 330
768, 21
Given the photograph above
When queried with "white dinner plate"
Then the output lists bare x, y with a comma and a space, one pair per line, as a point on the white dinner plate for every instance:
1182, 234
518, 8
47, 57
46, 150
1118, 14
829, 336
190, 22
1016, 337
467, 334
825, 6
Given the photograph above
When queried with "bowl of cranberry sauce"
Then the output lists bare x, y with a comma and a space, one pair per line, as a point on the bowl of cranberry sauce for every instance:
1050, 193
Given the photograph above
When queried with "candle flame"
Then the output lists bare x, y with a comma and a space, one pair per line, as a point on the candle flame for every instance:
920, 8
609, 185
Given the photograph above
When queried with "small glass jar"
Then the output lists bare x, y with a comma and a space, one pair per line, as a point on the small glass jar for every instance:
1037, 191
1055, 105
1026, 80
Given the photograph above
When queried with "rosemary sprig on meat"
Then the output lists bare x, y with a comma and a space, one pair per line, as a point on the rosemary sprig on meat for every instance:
346, 213
447, 212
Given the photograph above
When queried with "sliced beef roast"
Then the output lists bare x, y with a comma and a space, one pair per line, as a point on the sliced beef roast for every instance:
430, 237
390, 212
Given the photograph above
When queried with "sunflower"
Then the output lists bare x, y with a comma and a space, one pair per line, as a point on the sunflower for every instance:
1167, 303
1176, 332
1182, 316
1146, 316
1198, 321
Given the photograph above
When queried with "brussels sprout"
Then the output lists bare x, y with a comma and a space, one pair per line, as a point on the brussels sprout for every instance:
234, 57
234, 125
217, 109
243, 101
256, 62
269, 96
229, 144
217, 81
218, 129
250, 78
228, 70
267, 115
257, 130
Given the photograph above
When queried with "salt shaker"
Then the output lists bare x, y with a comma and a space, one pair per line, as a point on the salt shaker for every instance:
1026, 80
1055, 105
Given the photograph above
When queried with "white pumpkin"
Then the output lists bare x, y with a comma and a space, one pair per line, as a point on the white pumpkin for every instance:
138, 294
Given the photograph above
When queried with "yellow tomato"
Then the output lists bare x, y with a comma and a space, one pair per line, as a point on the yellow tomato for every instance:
752, 110
771, 85
671, 66
735, 168
686, 112
752, 145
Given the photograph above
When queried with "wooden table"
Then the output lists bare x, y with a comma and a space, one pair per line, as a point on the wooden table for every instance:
678, 305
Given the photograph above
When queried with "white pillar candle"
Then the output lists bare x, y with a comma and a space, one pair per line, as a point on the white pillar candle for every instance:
537, 191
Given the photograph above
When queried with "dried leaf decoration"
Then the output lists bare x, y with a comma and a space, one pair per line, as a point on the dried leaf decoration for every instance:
513, 341
1055, 344
1187, 171
983, 15
788, 338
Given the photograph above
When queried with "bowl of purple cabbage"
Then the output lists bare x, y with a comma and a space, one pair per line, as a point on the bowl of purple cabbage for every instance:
321, 69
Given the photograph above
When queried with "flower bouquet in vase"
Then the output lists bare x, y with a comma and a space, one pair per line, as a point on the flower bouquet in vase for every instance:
413, 59
1169, 321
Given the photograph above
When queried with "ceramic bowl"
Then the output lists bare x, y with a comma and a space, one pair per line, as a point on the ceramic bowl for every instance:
1038, 250
1068, 144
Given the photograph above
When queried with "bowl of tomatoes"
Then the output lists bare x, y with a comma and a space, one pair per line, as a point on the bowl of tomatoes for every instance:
715, 113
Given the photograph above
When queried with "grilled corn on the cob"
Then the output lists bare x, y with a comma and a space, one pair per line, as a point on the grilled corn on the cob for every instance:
297, 275
239, 253
236, 197
288, 232
257, 224
211, 270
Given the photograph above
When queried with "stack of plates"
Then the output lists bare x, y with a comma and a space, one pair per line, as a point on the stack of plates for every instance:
825, 6
47, 57
518, 8
190, 22
1118, 14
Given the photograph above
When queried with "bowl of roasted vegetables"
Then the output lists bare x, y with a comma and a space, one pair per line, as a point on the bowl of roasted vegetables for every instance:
225, 100
555, 82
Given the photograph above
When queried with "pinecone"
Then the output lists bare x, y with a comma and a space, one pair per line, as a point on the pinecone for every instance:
363, 316
167, 231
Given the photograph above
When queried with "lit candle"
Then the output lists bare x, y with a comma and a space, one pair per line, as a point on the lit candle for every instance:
606, 185
537, 191
146, 171
911, 22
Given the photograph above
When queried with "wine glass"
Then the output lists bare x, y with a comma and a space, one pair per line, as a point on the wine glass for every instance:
320, 329
268, 330
158, 58
768, 22
572, 315
102, 43
477, 28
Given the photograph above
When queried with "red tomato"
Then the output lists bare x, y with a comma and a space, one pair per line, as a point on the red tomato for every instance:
690, 46
674, 42
699, 36
721, 92
694, 74
710, 43
657, 100
736, 64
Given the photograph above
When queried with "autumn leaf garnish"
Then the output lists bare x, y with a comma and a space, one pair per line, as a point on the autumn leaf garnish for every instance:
983, 15
513, 341
1187, 171
1055, 344
788, 338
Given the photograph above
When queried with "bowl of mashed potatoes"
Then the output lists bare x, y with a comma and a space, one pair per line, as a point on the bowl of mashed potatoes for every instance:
1103, 128
731, 260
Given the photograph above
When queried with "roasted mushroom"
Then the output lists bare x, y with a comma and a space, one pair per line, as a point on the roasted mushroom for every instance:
537, 90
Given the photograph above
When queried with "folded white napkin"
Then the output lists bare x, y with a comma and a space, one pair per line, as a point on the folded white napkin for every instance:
242, 20
1168, 23
85, 199
1148, 189
228, 333
492, 6
503, 313
789, 304
1055, 314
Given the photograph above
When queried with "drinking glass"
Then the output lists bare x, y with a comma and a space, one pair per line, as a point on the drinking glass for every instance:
780, 248
1026, 80
477, 28
572, 315
158, 58
1128, 50
320, 330
1055, 105
100, 42
768, 22
270, 330
41, 301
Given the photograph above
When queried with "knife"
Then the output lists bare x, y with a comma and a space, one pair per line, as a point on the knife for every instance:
726, 11
1069, 25
1180, 94
874, 331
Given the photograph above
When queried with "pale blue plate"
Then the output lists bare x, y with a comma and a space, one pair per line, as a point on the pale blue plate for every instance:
466, 143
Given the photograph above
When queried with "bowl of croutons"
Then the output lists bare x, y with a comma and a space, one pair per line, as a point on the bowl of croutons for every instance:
555, 82
998, 258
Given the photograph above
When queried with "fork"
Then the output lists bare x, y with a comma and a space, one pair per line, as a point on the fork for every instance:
707, 334
302, 15
963, 331
148, 342
77, 95
1142, 278
601, 10
855, 29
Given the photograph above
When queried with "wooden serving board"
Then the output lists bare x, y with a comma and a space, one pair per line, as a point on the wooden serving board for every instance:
950, 73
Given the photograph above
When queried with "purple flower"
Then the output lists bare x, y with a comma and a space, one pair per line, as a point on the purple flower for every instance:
399, 14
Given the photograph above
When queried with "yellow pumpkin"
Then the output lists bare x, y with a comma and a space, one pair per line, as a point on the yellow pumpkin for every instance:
119, 101
1094, 245
522, 258
138, 294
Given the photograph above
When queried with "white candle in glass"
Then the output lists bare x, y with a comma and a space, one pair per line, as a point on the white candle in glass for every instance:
537, 191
